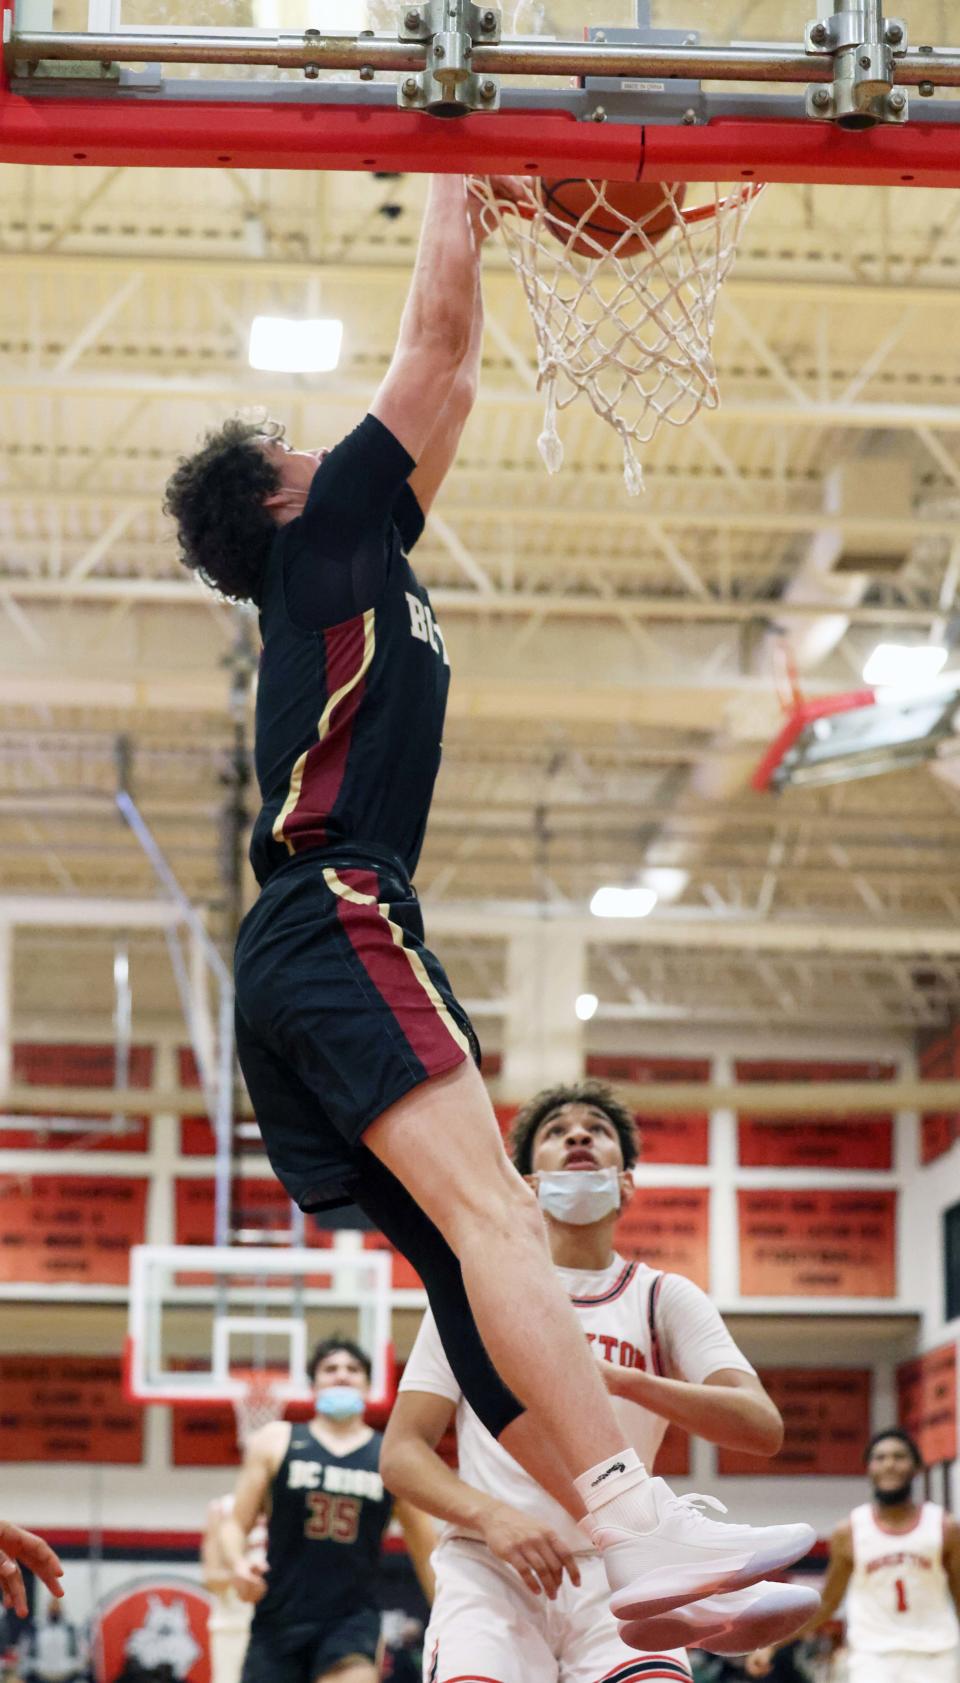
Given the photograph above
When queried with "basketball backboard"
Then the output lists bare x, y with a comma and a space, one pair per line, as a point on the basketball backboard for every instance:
665, 90
202, 1317
837, 738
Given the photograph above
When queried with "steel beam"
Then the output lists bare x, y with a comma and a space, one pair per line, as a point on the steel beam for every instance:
788, 1098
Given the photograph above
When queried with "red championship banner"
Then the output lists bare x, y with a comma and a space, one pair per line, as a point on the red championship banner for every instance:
77, 1228
826, 1417
672, 1459
260, 1204
938, 1133
817, 1243
669, 1228
798, 1144
939, 1060
51, 1064
196, 1132
663, 1139
43, 1063
927, 1402
821, 1142
204, 1436
67, 1408
153, 1627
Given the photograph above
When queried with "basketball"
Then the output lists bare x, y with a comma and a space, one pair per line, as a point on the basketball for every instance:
610, 207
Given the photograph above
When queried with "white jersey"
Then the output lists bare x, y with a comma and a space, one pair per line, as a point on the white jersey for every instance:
632, 1316
899, 1598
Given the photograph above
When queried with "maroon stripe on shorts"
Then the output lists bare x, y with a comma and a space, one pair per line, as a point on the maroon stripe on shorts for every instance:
326, 762
391, 973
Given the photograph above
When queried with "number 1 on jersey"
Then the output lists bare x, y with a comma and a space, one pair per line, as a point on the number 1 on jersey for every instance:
901, 1590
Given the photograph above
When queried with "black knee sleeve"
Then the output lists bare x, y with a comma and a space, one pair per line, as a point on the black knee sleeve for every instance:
389, 1205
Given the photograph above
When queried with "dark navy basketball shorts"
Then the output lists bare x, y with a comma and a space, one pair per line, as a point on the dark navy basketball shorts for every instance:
341, 1011
302, 1653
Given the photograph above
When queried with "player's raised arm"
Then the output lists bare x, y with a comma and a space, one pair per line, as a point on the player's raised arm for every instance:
437, 320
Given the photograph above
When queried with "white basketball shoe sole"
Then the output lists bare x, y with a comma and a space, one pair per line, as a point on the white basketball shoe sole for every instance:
727, 1624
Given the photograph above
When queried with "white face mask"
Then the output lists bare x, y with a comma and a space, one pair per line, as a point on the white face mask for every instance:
579, 1196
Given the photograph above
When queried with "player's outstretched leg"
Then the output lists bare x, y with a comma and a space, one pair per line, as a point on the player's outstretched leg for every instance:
442, 1143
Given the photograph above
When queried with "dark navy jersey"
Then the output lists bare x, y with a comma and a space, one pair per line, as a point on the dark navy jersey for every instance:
354, 673
327, 1518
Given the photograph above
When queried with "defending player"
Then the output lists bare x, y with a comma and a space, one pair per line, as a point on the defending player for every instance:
359, 1059
897, 1561
321, 1491
664, 1354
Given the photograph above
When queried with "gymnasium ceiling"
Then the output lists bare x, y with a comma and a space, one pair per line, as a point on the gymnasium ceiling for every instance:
613, 658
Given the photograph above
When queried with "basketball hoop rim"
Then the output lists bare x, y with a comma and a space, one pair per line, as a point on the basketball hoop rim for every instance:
691, 216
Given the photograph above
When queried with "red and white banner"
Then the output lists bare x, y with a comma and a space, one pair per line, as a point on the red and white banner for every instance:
927, 1402
67, 1408
826, 1417
78, 1228
669, 1228
817, 1243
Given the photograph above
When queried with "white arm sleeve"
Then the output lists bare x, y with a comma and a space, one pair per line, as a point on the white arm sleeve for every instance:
695, 1341
428, 1368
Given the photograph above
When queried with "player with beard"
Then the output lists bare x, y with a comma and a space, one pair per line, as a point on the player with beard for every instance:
521, 1594
897, 1561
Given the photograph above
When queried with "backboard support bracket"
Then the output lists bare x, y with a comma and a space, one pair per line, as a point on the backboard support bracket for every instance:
638, 104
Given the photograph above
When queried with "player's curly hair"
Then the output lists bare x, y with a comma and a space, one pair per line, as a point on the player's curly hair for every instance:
216, 498
527, 1121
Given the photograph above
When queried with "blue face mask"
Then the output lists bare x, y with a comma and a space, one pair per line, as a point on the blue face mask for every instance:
340, 1402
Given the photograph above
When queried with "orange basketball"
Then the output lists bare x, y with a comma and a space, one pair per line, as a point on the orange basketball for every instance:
569, 200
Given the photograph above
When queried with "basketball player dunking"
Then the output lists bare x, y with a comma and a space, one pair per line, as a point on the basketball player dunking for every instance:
359, 1059
319, 1487
897, 1561
665, 1355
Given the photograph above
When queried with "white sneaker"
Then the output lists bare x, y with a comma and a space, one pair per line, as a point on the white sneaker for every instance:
727, 1624
685, 1556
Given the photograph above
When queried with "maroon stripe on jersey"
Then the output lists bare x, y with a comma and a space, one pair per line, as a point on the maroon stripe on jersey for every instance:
390, 970
326, 762
616, 1290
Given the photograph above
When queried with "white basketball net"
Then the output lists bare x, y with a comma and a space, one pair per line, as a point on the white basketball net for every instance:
633, 333
261, 1402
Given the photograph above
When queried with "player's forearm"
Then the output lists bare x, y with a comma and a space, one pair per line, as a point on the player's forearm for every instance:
732, 1418
440, 307
414, 1472
232, 1542
468, 376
